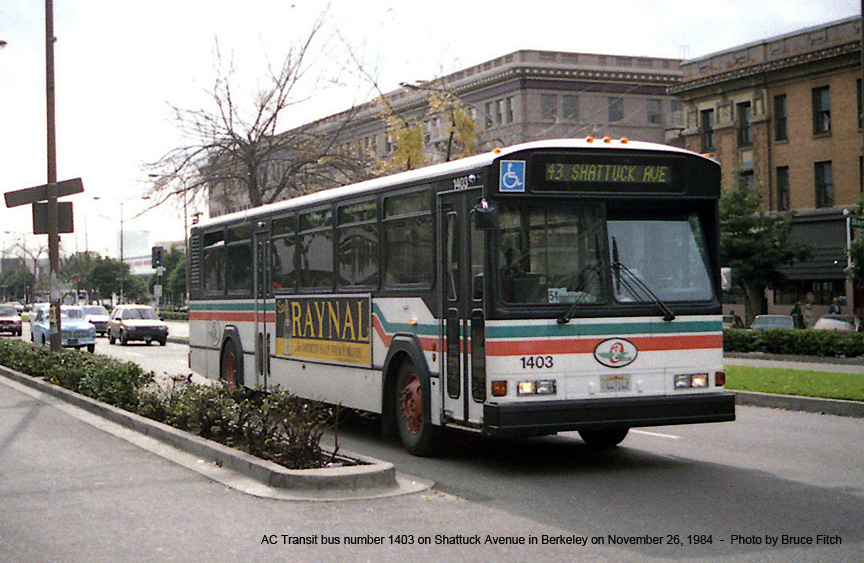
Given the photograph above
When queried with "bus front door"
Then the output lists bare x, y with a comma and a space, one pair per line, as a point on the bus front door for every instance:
264, 321
463, 319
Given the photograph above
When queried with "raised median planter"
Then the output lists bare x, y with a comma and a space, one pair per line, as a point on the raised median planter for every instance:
368, 476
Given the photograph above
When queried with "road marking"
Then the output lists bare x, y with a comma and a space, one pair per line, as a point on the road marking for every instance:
656, 434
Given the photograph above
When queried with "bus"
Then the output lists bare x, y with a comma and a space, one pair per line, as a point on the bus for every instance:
559, 285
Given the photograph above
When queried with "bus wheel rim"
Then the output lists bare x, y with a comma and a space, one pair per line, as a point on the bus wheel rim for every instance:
411, 403
230, 367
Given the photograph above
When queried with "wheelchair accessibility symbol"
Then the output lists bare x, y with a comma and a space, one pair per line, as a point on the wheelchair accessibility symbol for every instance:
512, 174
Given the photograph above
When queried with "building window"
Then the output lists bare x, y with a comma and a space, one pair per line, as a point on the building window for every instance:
489, 110
780, 133
571, 108
655, 111
706, 128
548, 107
821, 111
783, 188
745, 132
824, 184
507, 109
616, 109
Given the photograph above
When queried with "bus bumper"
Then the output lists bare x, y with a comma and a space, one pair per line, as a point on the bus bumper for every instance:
548, 417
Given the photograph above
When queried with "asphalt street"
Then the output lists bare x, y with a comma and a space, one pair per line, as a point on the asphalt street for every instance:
74, 487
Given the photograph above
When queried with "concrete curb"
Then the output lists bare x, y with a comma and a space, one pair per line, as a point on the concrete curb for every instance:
374, 478
804, 404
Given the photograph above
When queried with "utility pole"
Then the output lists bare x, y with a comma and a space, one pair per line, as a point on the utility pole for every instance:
52, 219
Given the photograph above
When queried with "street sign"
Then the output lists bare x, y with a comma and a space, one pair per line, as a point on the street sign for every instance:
40, 193
64, 218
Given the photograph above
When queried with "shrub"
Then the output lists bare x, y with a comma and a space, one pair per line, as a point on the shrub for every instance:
276, 426
795, 342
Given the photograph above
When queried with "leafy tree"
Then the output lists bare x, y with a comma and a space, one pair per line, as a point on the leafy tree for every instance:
76, 269
17, 282
753, 244
406, 131
106, 275
174, 277
855, 272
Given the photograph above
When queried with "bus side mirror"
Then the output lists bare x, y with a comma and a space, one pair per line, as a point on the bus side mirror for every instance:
484, 216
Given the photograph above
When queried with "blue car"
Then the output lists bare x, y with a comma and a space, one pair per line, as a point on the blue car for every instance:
77, 330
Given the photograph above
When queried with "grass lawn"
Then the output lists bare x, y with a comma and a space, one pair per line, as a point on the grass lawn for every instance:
825, 385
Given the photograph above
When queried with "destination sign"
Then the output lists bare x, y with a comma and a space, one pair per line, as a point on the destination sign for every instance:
327, 329
608, 173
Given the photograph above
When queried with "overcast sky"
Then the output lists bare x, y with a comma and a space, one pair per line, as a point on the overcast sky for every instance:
120, 64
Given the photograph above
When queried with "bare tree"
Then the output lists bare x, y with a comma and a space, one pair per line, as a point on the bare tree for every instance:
237, 151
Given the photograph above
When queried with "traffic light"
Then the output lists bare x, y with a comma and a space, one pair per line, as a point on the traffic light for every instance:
156, 260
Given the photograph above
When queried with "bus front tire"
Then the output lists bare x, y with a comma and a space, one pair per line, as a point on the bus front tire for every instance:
419, 436
604, 438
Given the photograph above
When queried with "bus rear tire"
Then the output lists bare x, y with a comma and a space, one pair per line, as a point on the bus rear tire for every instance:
608, 438
229, 371
419, 436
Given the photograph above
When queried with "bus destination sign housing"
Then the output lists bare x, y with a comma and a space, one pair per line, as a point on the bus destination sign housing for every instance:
590, 173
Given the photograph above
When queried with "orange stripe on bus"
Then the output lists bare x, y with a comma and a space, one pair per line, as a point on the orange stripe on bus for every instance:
587, 345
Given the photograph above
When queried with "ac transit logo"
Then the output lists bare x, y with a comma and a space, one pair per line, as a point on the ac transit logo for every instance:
615, 352
512, 176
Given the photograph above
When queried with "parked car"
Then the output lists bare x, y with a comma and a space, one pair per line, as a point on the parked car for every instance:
98, 317
732, 321
773, 322
136, 322
76, 330
841, 323
10, 320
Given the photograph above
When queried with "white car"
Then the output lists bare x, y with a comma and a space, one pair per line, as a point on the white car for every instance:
136, 322
840, 323
97, 315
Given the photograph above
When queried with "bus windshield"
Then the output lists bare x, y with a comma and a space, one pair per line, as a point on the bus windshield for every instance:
665, 254
569, 254
552, 254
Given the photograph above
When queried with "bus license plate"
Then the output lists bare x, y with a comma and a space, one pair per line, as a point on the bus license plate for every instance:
614, 383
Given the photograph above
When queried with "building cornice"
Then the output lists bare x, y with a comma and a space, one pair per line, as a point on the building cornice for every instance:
767, 67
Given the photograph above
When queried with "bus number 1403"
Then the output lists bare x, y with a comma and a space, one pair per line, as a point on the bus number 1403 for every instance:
536, 362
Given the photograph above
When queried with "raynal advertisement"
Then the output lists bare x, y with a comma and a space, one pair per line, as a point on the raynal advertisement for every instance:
329, 329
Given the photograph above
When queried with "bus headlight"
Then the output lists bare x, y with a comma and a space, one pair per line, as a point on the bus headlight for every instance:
691, 381
541, 387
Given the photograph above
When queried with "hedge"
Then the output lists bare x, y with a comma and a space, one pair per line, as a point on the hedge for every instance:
795, 342
277, 426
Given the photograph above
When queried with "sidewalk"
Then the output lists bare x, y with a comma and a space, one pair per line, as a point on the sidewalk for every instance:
178, 331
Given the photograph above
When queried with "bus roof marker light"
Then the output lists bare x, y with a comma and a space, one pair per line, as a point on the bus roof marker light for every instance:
624, 140
607, 140
589, 139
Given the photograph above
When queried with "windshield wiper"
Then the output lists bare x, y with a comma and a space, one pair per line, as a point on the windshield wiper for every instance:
586, 276
634, 285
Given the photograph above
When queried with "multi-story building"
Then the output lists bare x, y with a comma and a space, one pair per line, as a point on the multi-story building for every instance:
784, 115
519, 97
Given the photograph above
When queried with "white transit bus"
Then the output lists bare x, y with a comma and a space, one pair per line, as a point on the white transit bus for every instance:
550, 286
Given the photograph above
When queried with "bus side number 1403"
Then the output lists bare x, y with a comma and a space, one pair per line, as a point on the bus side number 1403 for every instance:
536, 362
